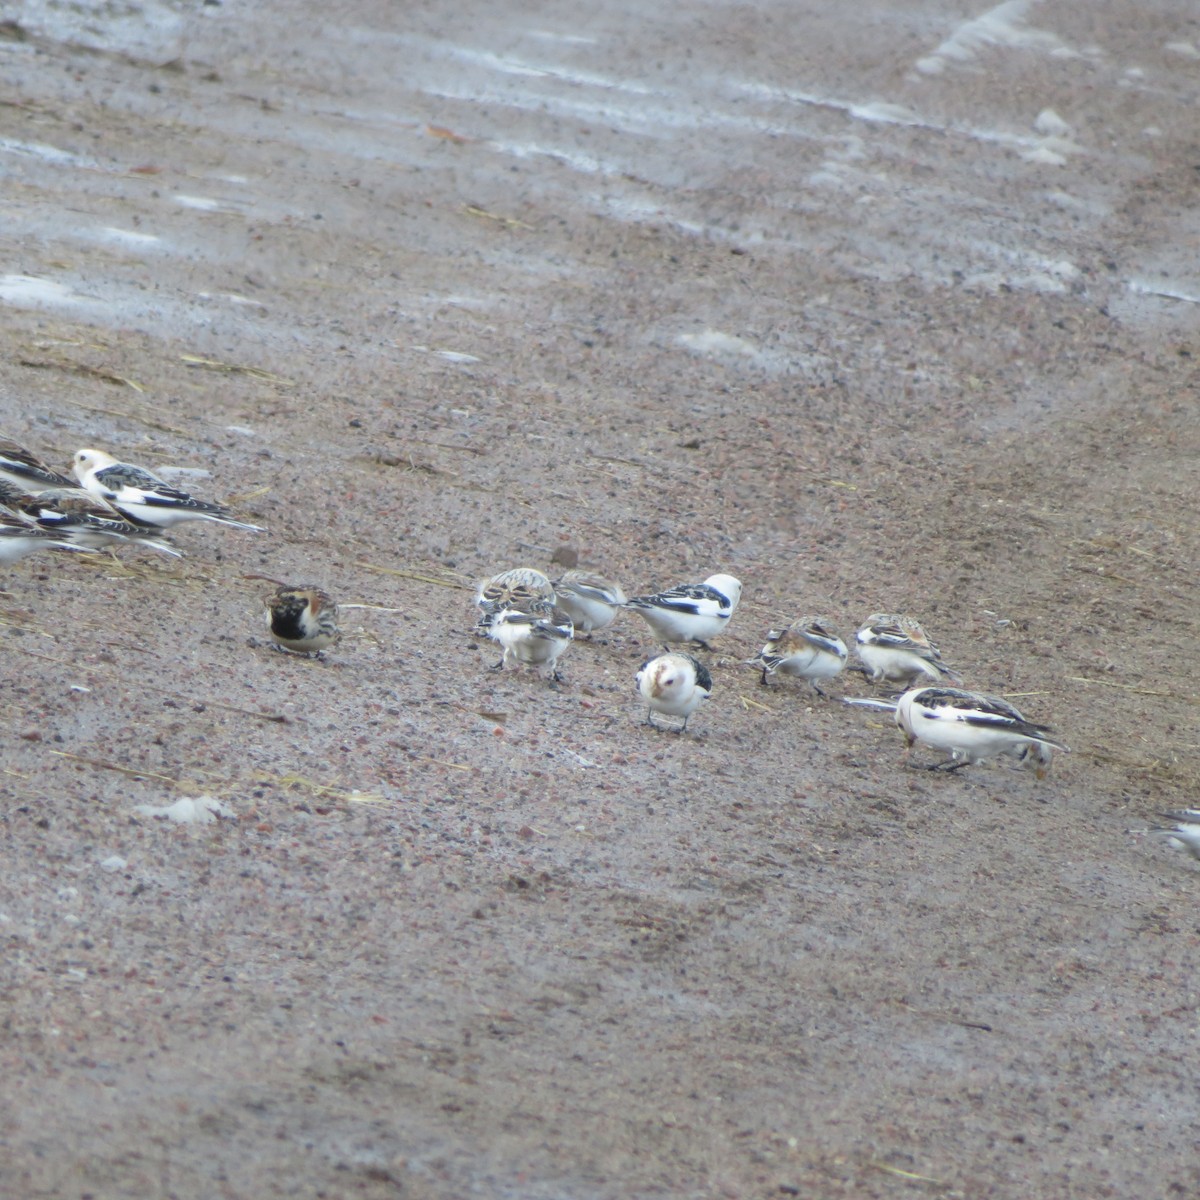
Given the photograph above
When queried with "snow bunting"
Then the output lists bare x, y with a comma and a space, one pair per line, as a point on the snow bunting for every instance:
517, 587
303, 619
590, 600
26, 470
20, 537
673, 684
691, 612
144, 498
1184, 832
14, 498
74, 515
972, 727
535, 634
807, 648
897, 649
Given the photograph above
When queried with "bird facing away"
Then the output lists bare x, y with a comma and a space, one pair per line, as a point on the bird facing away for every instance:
690, 612
590, 600
303, 619
534, 634
144, 498
674, 685
26, 470
972, 727
807, 649
895, 648
517, 587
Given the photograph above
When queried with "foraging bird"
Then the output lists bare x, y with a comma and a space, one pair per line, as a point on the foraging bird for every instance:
674, 685
144, 498
1184, 832
26, 470
691, 612
73, 514
895, 648
517, 587
807, 649
971, 727
303, 619
534, 634
590, 600
20, 537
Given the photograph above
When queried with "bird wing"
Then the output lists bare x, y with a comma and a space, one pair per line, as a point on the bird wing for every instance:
126, 484
30, 465
896, 637
984, 712
590, 587
692, 598
820, 638
703, 677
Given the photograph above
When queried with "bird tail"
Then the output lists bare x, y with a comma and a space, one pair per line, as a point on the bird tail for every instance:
223, 520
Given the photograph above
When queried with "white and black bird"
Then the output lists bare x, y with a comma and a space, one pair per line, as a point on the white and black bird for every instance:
20, 537
144, 498
1183, 832
691, 612
302, 618
589, 599
23, 468
517, 587
79, 518
972, 727
675, 685
806, 649
533, 634
896, 649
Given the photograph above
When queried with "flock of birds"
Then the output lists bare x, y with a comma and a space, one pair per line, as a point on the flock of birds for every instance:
534, 619
111, 503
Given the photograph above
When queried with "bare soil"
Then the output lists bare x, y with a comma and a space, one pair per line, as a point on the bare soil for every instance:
434, 293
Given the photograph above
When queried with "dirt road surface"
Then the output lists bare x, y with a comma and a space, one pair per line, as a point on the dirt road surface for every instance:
888, 311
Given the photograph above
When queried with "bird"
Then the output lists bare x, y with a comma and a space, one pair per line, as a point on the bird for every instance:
302, 618
144, 498
691, 612
895, 648
971, 727
1184, 831
517, 586
674, 685
14, 497
75, 515
20, 537
26, 470
590, 600
534, 634
807, 648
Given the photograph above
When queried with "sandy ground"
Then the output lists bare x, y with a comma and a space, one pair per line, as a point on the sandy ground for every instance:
897, 312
